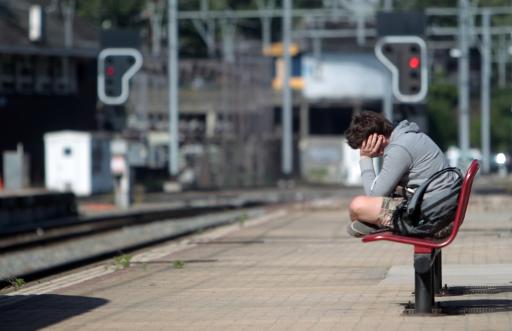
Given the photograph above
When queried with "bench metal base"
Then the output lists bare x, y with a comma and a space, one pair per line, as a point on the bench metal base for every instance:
410, 309
427, 280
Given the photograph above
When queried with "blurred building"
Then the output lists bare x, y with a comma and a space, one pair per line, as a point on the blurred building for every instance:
230, 105
47, 76
330, 84
226, 122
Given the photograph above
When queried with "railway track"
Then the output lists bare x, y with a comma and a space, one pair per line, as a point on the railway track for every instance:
34, 256
59, 245
55, 231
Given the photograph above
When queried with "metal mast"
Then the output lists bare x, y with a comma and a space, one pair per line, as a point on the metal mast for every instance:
287, 106
172, 27
464, 82
485, 93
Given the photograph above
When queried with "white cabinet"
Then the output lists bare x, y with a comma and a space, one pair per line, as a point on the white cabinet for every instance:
78, 162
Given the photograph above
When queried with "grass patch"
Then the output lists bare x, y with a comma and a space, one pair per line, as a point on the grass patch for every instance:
122, 261
242, 219
17, 283
178, 264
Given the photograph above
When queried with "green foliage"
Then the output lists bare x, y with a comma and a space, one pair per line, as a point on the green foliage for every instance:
242, 219
442, 112
116, 13
418, 4
501, 122
178, 264
246, 4
501, 119
443, 116
493, 3
122, 261
16, 282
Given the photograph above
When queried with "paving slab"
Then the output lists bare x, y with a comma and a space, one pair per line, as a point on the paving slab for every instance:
296, 269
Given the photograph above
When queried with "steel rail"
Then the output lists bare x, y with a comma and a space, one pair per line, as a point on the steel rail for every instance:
59, 231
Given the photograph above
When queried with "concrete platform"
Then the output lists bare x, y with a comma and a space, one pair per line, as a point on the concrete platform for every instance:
293, 269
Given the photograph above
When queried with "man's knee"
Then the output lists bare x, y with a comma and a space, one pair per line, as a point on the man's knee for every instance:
357, 206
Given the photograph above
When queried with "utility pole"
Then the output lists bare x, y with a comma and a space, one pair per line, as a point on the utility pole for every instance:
317, 50
266, 22
155, 9
206, 27
463, 82
387, 101
172, 27
359, 9
228, 30
286, 113
502, 62
68, 10
485, 91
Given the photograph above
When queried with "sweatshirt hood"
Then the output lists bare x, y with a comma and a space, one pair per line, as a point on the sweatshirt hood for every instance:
404, 127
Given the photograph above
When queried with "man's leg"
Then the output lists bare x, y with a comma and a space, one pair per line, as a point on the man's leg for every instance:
366, 209
370, 213
365, 213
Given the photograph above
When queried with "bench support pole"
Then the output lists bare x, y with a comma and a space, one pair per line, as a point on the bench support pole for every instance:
424, 282
438, 273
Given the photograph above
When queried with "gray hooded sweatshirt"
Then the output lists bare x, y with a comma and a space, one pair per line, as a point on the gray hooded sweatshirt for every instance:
409, 159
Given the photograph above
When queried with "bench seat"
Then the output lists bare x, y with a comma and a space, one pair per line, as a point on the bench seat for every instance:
427, 251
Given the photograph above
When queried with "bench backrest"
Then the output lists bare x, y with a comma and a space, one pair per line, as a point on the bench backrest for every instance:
462, 203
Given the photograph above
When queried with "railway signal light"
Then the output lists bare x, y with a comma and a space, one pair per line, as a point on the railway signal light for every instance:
115, 68
414, 62
406, 58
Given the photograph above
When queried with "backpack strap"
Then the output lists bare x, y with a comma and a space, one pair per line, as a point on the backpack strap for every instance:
414, 204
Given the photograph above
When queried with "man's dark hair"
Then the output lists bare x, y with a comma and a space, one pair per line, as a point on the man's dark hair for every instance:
364, 124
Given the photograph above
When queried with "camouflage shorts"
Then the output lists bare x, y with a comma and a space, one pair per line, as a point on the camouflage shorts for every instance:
387, 210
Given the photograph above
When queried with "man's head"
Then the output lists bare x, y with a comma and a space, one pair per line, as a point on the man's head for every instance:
365, 124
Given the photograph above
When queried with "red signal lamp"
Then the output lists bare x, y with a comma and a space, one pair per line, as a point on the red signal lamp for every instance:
110, 71
414, 62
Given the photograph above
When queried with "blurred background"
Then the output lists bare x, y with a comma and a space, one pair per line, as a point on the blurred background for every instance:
238, 118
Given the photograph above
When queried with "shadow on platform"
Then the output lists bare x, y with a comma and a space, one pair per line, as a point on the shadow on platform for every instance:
483, 289
34, 312
476, 306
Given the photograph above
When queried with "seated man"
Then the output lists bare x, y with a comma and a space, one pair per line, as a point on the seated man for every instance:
409, 158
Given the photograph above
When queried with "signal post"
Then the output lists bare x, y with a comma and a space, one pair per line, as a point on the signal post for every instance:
118, 61
403, 51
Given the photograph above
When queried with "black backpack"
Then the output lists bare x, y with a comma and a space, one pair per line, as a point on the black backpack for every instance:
420, 217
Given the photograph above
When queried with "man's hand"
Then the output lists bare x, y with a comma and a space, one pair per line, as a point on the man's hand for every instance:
371, 147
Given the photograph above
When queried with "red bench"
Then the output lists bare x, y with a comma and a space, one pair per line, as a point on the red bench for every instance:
427, 252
